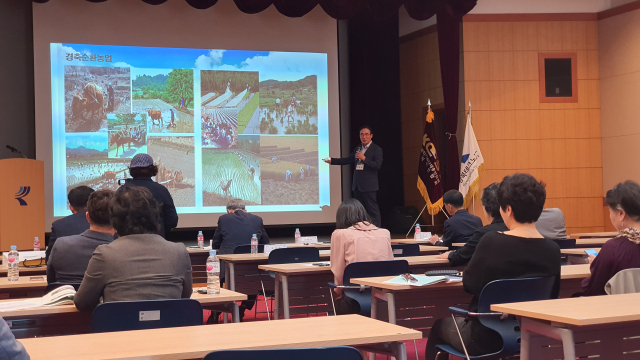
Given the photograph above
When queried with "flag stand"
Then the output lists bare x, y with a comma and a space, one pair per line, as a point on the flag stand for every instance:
414, 223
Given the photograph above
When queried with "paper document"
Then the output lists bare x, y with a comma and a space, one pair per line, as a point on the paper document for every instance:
423, 280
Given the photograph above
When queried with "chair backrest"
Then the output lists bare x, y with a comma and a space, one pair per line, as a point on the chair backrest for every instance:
246, 249
294, 255
565, 243
55, 285
337, 352
147, 314
624, 282
363, 269
400, 250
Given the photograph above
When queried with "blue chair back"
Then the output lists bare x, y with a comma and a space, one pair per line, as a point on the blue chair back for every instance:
246, 249
364, 269
337, 352
294, 255
401, 250
565, 243
126, 315
55, 285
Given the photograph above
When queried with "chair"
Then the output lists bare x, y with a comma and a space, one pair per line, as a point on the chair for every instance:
55, 285
624, 282
127, 315
246, 249
565, 243
336, 352
501, 292
362, 269
400, 250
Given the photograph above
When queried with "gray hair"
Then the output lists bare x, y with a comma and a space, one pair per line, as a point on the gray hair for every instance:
235, 204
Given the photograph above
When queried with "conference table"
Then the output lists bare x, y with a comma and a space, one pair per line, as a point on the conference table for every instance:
28, 271
607, 235
25, 287
417, 307
302, 288
605, 327
577, 255
195, 342
66, 319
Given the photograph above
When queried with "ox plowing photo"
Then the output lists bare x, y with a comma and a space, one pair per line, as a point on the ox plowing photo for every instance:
174, 156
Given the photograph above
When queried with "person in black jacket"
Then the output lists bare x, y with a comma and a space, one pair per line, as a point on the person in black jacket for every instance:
74, 224
520, 252
460, 226
491, 209
141, 170
368, 160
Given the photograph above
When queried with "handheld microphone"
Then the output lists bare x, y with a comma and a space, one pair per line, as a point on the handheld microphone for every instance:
14, 150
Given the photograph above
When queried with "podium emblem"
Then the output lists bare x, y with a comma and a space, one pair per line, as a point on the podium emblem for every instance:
22, 193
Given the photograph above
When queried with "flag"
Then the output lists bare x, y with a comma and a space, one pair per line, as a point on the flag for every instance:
472, 164
429, 178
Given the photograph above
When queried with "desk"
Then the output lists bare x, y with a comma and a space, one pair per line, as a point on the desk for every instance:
66, 319
417, 307
27, 271
577, 255
23, 288
599, 325
607, 235
196, 341
591, 242
303, 289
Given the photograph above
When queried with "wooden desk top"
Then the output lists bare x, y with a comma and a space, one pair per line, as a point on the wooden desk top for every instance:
25, 271
592, 241
411, 241
195, 342
225, 296
307, 267
424, 248
566, 272
324, 254
459, 245
578, 251
23, 282
590, 310
608, 235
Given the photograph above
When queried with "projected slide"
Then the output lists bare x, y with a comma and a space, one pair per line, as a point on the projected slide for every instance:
219, 124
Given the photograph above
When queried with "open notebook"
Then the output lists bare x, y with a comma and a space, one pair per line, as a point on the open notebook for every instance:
423, 280
60, 296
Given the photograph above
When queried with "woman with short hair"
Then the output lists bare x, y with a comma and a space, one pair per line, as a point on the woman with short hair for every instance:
520, 252
623, 251
355, 239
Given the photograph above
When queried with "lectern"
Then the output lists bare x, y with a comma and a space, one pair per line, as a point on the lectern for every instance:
21, 203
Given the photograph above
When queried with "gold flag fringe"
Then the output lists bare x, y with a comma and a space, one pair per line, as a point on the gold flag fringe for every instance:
431, 208
473, 188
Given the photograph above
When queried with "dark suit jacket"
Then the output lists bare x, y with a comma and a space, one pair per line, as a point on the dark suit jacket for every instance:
236, 229
168, 214
10, 348
70, 258
460, 227
366, 179
463, 255
74, 224
136, 267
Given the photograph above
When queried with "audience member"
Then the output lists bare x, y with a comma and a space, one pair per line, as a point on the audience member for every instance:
142, 170
355, 239
140, 264
235, 228
460, 226
551, 224
10, 348
75, 223
491, 210
521, 252
623, 251
70, 258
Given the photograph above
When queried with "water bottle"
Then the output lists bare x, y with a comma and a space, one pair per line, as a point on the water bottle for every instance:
13, 260
200, 240
297, 236
213, 274
254, 245
418, 231
36, 244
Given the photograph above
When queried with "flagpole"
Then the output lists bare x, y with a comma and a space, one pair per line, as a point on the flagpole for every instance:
414, 223
474, 195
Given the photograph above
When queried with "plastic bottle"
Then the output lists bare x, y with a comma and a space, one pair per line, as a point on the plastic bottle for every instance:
13, 261
254, 244
213, 274
36, 244
200, 240
418, 231
297, 236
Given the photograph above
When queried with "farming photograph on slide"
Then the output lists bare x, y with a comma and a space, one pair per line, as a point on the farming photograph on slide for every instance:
219, 124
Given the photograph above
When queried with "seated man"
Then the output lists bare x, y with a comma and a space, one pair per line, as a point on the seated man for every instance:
460, 226
551, 224
235, 228
73, 224
10, 348
69, 259
140, 264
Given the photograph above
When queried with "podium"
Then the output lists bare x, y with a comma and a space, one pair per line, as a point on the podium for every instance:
21, 203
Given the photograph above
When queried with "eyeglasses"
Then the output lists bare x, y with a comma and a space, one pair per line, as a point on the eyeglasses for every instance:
33, 263
361, 134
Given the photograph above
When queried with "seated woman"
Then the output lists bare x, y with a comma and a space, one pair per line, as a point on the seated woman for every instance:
623, 251
355, 239
140, 264
520, 252
491, 210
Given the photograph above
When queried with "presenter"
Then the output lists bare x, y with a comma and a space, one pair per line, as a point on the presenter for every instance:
368, 159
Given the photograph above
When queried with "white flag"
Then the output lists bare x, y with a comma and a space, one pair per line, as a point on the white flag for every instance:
472, 165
